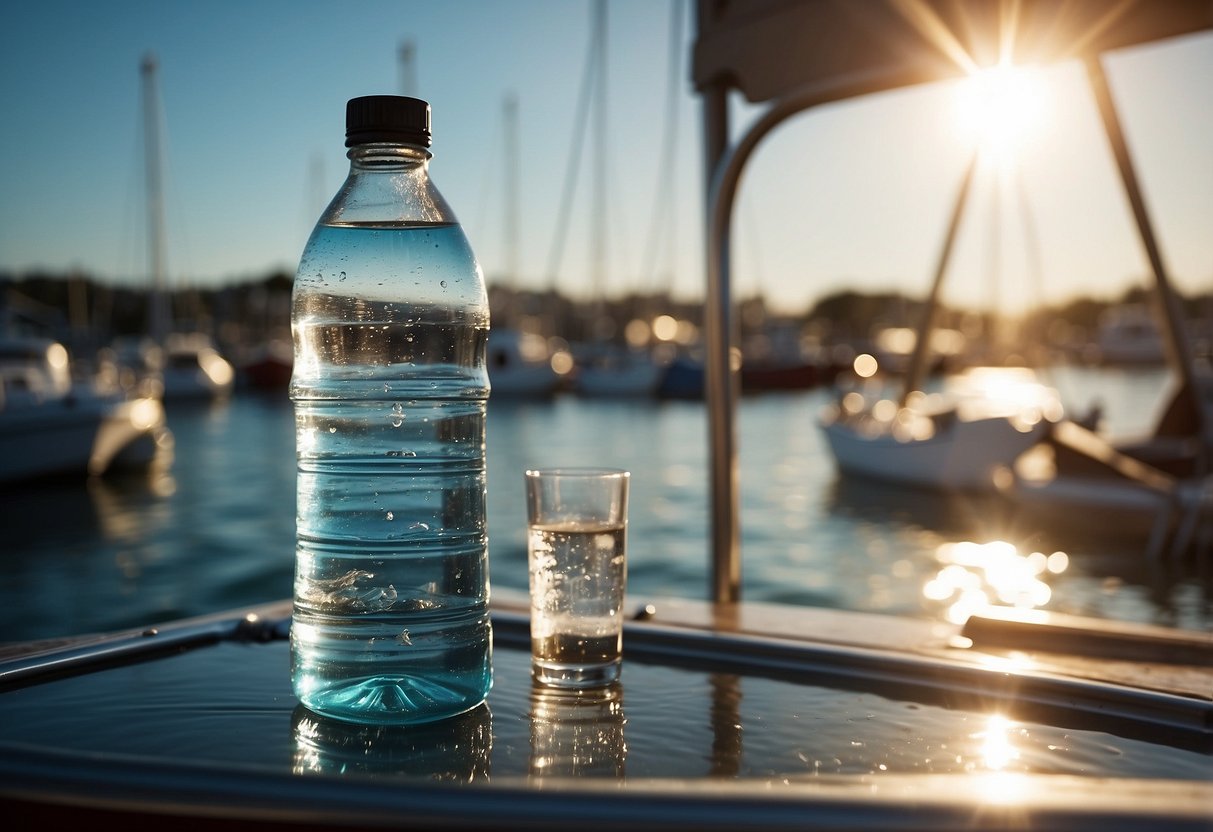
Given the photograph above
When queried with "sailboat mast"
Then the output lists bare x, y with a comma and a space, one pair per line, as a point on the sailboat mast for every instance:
916, 371
407, 59
155, 197
599, 203
512, 208
663, 230
1179, 350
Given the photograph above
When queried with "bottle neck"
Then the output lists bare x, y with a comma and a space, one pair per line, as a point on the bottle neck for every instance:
388, 182
385, 156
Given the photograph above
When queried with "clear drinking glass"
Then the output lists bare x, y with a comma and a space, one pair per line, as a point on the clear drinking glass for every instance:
577, 552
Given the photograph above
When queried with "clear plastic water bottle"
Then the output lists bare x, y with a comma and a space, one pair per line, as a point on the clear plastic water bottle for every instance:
390, 320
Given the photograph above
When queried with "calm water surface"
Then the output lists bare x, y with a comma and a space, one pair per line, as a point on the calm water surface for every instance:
216, 531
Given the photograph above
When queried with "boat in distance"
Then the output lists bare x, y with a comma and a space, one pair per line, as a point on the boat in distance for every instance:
520, 365
956, 440
54, 425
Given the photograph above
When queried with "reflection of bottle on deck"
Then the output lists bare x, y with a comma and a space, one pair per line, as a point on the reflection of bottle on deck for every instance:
455, 750
577, 733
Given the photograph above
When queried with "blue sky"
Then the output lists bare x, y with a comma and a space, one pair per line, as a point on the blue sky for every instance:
852, 195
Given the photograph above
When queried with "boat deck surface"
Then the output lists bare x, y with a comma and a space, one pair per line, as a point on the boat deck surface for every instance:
729, 715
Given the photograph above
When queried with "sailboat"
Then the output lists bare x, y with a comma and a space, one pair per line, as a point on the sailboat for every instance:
1014, 438
605, 368
1128, 335
521, 365
1160, 485
958, 438
618, 372
52, 424
187, 364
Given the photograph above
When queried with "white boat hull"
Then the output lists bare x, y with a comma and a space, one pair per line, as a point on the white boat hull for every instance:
193, 369
51, 425
88, 436
134, 435
640, 378
519, 365
535, 381
47, 440
963, 456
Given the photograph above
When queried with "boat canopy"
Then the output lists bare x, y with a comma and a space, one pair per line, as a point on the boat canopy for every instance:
766, 49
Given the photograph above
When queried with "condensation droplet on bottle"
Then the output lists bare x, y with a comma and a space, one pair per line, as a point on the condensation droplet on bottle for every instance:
442, 283
424, 527
341, 276
397, 417
389, 516
332, 430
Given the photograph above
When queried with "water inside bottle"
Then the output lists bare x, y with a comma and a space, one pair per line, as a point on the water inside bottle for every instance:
391, 617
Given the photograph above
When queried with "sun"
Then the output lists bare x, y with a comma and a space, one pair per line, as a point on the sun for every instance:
1002, 108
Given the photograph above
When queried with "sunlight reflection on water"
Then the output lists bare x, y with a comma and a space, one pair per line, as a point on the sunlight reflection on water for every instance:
976, 576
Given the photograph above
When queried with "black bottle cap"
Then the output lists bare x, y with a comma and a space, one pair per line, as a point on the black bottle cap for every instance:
387, 118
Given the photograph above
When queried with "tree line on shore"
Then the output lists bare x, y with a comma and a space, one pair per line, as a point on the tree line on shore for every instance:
77, 308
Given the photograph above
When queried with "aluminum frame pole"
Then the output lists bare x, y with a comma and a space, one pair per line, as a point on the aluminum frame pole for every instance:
722, 359
1177, 341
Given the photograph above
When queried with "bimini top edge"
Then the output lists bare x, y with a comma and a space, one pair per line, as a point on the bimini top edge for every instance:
766, 49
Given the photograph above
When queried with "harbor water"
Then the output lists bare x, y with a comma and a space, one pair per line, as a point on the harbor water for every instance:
216, 530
